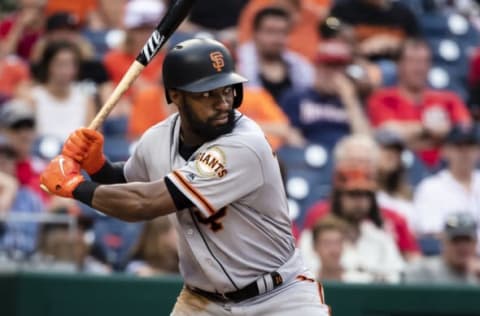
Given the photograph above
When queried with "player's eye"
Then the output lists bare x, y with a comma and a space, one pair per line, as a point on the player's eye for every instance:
228, 91
207, 94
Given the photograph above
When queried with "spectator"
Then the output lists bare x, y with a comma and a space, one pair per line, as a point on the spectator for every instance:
17, 238
456, 263
380, 25
8, 182
330, 108
17, 121
361, 152
62, 26
64, 248
156, 252
20, 31
60, 103
260, 106
394, 191
139, 20
329, 238
305, 16
460, 180
365, 74
353, 199
267, 62
103, 25
420, 115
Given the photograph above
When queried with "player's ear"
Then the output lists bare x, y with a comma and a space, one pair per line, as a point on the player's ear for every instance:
175, 96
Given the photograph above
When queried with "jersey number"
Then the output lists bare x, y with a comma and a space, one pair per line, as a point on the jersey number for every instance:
214, 221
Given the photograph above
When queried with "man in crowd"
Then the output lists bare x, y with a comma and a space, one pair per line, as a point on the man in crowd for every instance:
369, 247
455, 188
360, 154
420, 115
17, 121
17, 238
330, 108
457, 263
267, 62
394, 190
329, 238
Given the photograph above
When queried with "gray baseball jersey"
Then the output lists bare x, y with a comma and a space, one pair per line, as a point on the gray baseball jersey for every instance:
239, 228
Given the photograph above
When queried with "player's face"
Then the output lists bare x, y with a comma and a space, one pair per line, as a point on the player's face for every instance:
209, 114
355, 205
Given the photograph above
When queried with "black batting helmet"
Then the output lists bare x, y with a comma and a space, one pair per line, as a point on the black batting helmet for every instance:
199, 65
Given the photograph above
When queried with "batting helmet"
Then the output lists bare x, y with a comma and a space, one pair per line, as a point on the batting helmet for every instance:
199, 65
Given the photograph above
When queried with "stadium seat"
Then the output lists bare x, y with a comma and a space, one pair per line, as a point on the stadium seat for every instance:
309, 172
429, 245
116, 240
47, 147
117, 148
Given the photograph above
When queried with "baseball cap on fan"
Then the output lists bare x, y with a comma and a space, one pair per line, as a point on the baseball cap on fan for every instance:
460, 225
16, 114
143, 13
464, 134
334, 52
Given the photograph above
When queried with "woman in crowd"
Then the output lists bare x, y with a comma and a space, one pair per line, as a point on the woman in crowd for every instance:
61, 103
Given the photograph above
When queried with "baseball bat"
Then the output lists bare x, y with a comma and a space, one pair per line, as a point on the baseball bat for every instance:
177, 12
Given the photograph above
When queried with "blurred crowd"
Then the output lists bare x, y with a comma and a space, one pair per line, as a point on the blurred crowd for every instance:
373, 108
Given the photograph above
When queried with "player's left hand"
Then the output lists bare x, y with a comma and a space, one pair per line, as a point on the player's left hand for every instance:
62, 176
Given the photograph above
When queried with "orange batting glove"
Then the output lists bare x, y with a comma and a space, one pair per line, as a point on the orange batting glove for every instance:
61, 177
85, 146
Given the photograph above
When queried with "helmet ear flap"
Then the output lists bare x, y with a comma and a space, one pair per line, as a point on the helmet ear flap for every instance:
238, 94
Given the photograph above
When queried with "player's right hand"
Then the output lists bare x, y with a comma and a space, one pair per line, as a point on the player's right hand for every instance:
61, 177
85, 146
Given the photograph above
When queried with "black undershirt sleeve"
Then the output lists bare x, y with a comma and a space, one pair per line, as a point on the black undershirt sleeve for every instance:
180, 200
110, 173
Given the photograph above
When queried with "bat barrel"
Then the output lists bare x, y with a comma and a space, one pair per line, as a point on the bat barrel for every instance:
170, 22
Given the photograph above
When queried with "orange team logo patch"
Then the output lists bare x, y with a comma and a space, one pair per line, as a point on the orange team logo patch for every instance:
217, 61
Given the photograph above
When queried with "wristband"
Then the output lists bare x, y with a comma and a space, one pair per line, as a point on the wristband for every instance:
84, 192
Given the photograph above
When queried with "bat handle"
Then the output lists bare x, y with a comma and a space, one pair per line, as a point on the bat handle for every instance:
128, 78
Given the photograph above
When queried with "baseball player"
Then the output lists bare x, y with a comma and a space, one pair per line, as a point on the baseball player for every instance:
211, 168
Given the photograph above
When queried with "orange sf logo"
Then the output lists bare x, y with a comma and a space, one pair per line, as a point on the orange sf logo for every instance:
217, 61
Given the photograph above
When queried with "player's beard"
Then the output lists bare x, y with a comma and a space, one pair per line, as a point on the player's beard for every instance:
207, 130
